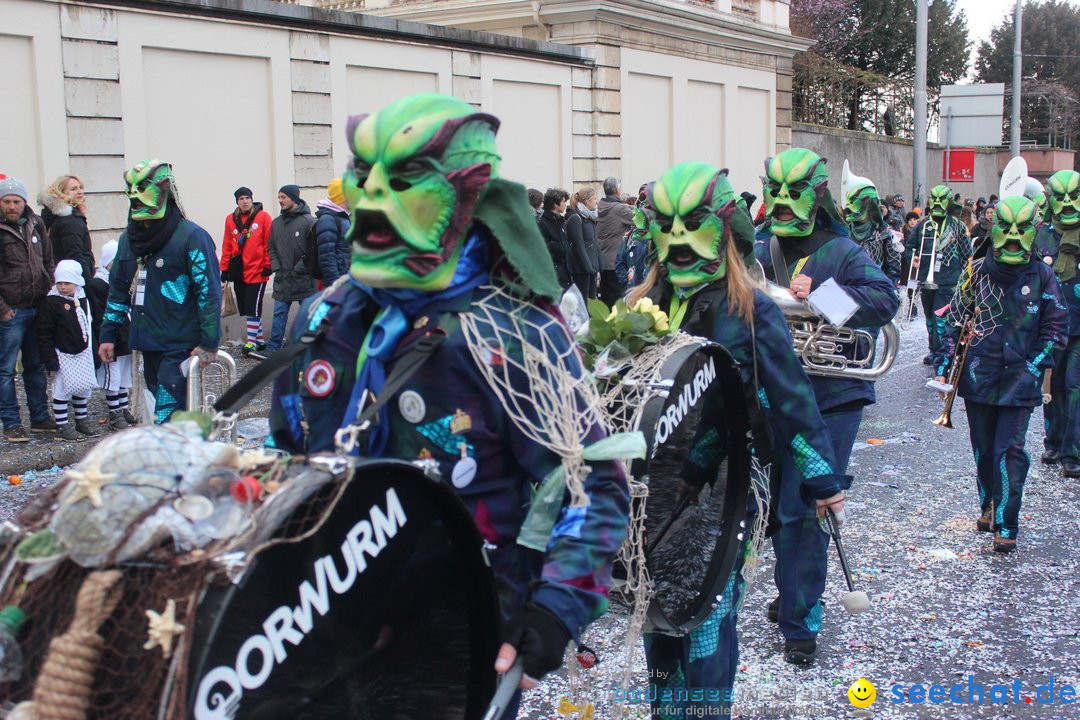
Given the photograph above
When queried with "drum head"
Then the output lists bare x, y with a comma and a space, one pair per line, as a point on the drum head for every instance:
697, 432
387, 611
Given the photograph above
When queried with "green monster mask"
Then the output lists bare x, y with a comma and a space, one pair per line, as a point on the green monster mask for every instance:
419, 167
1064, 189
149, 185
1040, 204
938, 202
689, 211
862, 211
795, 183
1013, 233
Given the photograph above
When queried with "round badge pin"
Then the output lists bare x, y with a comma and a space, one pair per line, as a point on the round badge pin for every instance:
1025, 290
464, 472
160, 263
319, 378
412, 406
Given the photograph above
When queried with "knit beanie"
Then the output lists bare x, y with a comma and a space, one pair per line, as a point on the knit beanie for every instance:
12, 186
335, 193
242, 192
69, 271
291, 191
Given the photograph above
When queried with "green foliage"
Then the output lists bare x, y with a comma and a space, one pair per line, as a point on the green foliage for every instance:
618, 333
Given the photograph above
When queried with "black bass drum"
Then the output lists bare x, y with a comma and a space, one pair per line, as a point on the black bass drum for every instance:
384, 609
697, 432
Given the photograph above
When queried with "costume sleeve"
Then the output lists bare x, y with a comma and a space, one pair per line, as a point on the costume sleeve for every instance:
228, 245
788, 399
576, 574
868, 286
1053, 326
118, 306
206, 279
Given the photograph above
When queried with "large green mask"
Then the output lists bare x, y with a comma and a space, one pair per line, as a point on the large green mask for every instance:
795, 183
689, 210
419, 166
1064, 189
1013, 233
149, 185
862, 212
937, 205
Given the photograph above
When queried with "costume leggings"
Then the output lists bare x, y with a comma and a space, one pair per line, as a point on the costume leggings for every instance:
997, 438
801, 544
165, 381
1062, 414
937, 329
696, 670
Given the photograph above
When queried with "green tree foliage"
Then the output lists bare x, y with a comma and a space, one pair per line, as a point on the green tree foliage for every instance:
1050, 99
878, 36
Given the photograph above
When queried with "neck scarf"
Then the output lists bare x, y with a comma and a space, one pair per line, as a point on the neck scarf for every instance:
399, 309
1002, 273
147, 238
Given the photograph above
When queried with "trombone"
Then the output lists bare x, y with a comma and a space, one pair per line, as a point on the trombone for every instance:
929, 232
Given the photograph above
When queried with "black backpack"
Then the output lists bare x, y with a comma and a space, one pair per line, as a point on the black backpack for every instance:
311, 248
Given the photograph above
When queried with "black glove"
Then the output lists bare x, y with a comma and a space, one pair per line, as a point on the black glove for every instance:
540, 639
267, 272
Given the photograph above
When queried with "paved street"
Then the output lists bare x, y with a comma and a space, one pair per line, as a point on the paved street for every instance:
944, 606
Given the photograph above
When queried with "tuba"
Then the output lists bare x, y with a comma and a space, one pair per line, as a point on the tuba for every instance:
820, 346
205, 385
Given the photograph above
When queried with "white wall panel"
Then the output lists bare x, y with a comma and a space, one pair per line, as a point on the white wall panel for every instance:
755, 139
648, 140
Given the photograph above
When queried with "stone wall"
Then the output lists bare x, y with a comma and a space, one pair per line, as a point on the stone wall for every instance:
887, 161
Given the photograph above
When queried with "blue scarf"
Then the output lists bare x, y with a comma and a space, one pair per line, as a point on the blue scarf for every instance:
399, 309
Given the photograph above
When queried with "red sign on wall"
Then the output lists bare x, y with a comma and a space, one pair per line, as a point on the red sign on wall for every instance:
960, 165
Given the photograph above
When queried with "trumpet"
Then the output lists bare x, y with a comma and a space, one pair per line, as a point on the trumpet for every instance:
206, 384
820, 346
952, 374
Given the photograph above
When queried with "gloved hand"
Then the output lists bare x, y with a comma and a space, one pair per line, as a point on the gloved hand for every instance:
540, 639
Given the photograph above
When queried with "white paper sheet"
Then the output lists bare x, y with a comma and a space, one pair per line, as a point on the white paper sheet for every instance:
832, 302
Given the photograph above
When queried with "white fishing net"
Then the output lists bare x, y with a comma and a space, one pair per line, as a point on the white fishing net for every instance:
977, 300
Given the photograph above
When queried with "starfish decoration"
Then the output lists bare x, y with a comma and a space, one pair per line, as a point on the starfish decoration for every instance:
163, 628
88, 484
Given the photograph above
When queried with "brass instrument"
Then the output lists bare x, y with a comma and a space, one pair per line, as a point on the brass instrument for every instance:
206, 384
956, 366
820, 346
929, 232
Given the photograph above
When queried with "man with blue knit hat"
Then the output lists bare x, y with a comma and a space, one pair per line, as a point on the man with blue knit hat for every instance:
292, 281
26, 256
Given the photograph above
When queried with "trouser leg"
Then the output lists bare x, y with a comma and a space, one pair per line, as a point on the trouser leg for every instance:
982, 427
1070, 394
1013, 465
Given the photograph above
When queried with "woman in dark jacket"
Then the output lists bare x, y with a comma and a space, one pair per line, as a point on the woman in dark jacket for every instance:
331, 234
553, 229
64, 212
584, 248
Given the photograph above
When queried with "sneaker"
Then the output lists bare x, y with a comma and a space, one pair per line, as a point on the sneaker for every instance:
44, 426
1051, 457
1004, 544
117, 421
1070, 468
984, 523
67, 431
86, 427
800, 652
16, 434
773, 613
131, 418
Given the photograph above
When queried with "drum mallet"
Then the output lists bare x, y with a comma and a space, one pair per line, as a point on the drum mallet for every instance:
504, 691
855, 601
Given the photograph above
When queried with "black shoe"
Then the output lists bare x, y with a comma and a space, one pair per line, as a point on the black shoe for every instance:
67, 431
131, 418
773, 613
800, 652
45, 426
1051, 457
1004, 544
1070, 468
985, 523
87, 427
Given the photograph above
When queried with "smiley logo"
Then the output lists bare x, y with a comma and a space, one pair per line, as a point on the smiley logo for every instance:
862, 693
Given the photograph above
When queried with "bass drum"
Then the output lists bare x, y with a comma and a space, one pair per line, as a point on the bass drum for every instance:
697, 432
383, 608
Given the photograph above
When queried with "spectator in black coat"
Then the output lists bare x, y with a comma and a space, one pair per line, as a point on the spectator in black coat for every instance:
64, 212
581, 233
536, 201
553, 229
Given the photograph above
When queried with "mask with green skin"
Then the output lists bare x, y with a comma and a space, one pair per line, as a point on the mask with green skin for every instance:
688, 210
1041, 204
795, 184
1064, 190
862, 211
938, 203
1013, 233
419, 166
149, 185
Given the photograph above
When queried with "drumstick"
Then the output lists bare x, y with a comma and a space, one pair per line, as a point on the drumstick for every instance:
504, 691
1046, 386
855, 601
